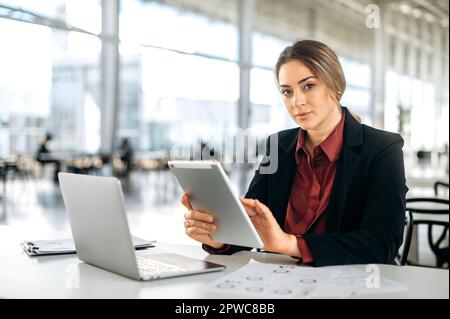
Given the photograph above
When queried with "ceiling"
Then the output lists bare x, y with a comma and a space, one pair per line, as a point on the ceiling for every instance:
341, 22
227, 10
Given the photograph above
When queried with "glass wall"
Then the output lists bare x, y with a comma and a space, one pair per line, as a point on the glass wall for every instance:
413, 111
179, 79
358, 95
50, 77
268, 114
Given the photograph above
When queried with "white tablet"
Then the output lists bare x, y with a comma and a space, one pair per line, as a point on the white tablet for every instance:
210, 191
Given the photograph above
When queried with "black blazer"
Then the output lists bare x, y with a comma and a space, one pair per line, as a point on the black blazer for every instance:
366, 211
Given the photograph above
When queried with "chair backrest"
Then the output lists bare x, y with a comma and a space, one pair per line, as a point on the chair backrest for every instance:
432, 212
441, 185
402, 256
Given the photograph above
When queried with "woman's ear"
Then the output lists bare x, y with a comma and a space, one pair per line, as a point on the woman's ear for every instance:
334, 96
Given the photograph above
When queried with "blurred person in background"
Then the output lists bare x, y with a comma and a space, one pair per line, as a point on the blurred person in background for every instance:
44, 156
126, 156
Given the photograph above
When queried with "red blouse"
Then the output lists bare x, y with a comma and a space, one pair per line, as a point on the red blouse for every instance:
311, 189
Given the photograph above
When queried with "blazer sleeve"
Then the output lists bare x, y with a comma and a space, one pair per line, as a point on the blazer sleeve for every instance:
381, 232
257, 190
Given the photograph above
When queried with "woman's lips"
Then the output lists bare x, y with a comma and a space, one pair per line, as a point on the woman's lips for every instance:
303, 115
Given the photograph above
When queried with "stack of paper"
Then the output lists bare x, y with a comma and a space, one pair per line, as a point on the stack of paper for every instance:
67, 246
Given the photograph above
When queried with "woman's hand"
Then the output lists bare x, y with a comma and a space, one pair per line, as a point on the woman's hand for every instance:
199, 225
273, 237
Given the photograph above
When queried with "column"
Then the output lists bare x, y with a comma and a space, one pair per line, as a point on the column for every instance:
379, 70
109, 75
246, 8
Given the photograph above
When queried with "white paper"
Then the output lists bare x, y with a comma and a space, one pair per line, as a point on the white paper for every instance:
354, 282
265, 280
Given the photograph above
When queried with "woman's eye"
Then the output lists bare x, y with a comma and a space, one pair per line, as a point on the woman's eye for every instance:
286, 92
309, 86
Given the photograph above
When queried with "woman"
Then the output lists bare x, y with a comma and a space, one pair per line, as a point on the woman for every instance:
338, 196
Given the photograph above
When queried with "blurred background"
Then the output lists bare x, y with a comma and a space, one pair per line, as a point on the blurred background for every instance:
109, 87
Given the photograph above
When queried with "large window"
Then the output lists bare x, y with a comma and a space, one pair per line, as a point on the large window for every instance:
268, 114
83, 14
179, 79
413, 111
50, 77
357, 95
151, 23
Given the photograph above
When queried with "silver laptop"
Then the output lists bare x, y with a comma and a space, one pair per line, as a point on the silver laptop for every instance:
96, 210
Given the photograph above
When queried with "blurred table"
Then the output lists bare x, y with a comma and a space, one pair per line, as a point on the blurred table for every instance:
83, 164
425, 175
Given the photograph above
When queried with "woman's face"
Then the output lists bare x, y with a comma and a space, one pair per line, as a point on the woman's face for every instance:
307, 99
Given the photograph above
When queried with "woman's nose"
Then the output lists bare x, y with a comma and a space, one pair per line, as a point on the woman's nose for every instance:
298, 100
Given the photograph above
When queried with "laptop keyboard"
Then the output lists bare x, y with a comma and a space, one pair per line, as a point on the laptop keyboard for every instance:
154, 267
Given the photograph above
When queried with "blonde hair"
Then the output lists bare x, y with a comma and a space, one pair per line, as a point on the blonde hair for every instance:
356, 116
320, 60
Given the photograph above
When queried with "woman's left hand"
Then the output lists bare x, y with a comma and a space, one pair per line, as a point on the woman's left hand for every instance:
273, 237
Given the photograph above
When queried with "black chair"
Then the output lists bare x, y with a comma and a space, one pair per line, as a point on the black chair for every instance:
2, 176
402, 255
441, 253
440, 185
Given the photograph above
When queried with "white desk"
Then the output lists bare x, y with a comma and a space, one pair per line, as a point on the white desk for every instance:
65, 276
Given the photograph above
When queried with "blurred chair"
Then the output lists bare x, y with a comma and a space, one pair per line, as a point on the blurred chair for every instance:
434, 213
439, 185
3, 179
22, 177
402, 256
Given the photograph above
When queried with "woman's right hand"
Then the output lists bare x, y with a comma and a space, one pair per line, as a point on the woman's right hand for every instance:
199, 225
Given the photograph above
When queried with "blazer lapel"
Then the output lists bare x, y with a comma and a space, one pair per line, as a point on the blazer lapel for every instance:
281, 182
348, 164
